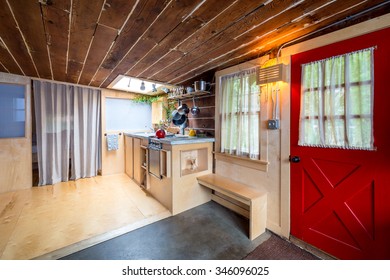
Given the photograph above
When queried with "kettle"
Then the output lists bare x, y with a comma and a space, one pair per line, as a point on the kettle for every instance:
160, 133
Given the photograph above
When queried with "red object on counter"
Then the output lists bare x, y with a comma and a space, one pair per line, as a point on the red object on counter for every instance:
160, 133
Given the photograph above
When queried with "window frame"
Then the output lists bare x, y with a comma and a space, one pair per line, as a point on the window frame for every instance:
262, 163
242, 115
26, 111
240, 98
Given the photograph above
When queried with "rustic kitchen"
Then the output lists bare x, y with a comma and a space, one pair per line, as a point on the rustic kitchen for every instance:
119, 114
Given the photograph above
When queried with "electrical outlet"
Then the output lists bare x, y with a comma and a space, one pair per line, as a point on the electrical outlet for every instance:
273, 124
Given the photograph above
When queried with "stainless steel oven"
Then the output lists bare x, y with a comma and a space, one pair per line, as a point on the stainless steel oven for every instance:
154, 158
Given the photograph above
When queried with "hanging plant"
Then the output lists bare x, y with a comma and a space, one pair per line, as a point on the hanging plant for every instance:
169, 109
149, 99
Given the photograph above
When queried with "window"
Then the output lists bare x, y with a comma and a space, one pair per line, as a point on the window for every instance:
337, 102
125, 114
12, 111
240, 115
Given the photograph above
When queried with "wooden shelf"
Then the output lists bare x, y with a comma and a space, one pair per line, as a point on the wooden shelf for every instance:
188, 95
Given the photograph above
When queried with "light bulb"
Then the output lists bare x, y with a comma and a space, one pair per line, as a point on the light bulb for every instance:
142, 87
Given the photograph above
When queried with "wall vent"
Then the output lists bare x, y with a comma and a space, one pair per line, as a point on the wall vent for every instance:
270, 74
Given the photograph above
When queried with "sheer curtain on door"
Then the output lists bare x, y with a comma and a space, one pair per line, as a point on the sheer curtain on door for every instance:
68, 131
337, 102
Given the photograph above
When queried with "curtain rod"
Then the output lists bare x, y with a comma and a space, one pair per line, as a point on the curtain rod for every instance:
63, 83
120, 133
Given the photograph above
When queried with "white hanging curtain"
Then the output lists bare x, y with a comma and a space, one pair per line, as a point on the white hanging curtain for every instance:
240, 114
68, 131
86, 132
337, 98
53, 127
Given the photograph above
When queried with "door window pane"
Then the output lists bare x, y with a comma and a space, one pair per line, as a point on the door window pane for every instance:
337, 102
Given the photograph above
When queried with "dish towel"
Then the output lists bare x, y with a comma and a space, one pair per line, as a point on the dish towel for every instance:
112, 142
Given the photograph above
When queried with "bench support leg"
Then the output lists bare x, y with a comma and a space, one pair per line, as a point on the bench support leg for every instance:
258, 217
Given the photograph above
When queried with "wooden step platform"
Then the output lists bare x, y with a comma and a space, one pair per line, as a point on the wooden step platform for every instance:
245, 195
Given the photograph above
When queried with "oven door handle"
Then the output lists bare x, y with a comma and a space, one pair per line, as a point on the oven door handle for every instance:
161, 164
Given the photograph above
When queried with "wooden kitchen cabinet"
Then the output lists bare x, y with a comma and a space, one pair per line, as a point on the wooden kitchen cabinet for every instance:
139, 161
129, 158
136, 159
178, 190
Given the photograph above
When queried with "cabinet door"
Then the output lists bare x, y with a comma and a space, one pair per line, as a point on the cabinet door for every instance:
129, 164
137, 160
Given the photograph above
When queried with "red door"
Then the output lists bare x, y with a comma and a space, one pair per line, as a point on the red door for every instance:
340, 199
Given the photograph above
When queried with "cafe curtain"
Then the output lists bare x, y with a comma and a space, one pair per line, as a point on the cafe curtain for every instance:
68, 131
337, 98
240, 114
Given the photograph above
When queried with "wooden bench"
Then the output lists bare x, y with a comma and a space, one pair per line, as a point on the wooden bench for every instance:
255, 200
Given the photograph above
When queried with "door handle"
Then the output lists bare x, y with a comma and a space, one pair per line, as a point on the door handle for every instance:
294, 159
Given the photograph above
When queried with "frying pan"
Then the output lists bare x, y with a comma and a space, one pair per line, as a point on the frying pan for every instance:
175, 115
195, 109
183, 109
180, 121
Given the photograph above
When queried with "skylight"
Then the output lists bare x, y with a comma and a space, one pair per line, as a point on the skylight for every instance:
130, 84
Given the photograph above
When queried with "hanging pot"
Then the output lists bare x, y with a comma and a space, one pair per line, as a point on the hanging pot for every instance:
175, 115
200, 85
195, 109
183, 109
180, 121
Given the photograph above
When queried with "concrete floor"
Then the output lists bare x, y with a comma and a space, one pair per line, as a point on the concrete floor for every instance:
207, 232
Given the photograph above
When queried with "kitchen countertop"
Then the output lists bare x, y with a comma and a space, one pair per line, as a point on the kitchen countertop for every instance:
173, 139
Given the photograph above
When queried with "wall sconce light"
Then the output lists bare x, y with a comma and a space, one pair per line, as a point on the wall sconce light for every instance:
270, 74
269, 78
142, 87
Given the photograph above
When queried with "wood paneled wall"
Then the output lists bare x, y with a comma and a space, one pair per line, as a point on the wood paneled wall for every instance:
204, 122
16, 153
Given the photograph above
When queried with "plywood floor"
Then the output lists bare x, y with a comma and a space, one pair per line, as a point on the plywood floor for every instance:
53, 221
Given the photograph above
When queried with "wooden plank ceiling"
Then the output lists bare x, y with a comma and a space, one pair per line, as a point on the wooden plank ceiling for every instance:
172, 41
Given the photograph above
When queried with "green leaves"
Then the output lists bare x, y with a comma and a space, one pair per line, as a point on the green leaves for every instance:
147, 99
